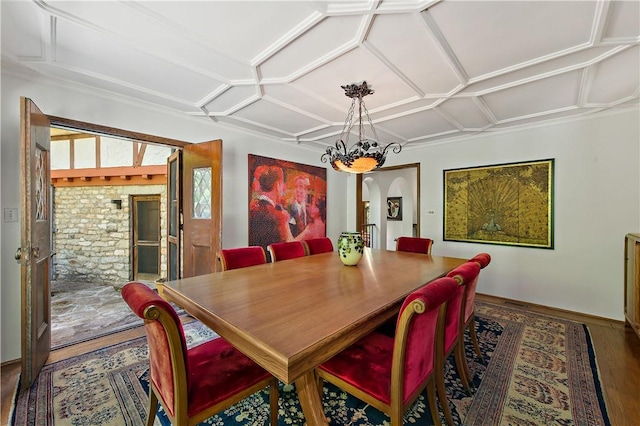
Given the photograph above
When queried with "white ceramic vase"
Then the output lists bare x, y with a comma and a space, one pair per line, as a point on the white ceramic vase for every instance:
350, 248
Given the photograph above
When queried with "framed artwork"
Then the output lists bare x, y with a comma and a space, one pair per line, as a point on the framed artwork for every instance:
394, 208
507, 204
287, 201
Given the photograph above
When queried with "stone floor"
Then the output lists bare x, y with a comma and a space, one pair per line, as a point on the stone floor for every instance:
81, 311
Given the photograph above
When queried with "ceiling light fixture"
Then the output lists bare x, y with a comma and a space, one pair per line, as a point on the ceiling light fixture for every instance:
366, 154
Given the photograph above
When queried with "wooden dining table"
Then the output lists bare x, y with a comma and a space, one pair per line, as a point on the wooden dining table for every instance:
291, 316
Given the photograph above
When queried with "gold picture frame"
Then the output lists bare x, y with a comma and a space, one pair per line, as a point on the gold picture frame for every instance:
505, 204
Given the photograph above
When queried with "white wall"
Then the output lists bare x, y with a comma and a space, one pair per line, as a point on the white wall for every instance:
596, 202
92, 107
597, 195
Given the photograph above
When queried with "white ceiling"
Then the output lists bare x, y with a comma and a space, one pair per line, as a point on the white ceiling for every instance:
440, 69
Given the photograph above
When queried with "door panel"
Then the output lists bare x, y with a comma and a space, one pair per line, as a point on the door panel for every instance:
35, 240
202, 207
146, 237
174, 208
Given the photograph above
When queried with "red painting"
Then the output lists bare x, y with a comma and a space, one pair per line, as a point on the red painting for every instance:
287, 201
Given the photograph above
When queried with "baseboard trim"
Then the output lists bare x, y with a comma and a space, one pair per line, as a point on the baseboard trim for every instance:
10, 363
557, 312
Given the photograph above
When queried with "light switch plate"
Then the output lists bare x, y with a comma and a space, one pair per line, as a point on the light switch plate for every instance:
11, 215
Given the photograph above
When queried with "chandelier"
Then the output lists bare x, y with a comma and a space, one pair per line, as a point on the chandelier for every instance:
366, 154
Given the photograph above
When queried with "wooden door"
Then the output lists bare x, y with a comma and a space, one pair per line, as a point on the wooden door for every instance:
174, 211
35, 246
202, 207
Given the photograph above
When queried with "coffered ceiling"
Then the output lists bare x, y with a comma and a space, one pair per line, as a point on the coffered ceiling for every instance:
439, 69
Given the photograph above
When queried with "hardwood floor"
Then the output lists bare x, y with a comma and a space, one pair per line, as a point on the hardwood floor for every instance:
617, 350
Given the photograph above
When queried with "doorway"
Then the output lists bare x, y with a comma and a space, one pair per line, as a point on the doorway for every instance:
372, 191
146, 237
107, 215
35, 138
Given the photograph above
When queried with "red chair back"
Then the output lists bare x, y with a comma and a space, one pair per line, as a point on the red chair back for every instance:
394, 371
140, 297
414, 244
421, 333
318, 245
242, 257
482, 259
284, 251
192, 383
467, 274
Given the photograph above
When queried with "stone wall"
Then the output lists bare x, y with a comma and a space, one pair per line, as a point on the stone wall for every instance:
92, 237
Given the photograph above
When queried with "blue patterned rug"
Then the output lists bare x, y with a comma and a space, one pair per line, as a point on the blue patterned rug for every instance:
536, 370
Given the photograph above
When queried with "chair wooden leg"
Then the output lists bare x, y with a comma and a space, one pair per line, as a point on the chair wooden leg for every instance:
431, 399
274, 396
320, 384
152, 407
396, 414
461, 366
442, 395
467, 372
474, 337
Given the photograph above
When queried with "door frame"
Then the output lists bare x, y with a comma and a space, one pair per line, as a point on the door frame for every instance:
28, 316
136, 242
360, 205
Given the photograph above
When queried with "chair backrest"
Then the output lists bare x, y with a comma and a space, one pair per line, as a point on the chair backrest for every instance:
414, 244
453, 319
241, 257
467, 275
287, 250
318, 245
482, 259
167, 345
418, 329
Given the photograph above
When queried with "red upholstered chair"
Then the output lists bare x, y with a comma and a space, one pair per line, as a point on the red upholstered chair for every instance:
453, 342
468, 274
192, 384
414, 244
318, 245
284, 251
389, 373
482, 259
241, 257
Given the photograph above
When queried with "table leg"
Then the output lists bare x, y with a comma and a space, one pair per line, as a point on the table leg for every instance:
311, 400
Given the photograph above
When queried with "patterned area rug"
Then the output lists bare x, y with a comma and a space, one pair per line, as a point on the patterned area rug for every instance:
537, 370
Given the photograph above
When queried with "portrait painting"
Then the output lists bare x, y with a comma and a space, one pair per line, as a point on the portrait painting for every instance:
394, 208
287, 201
507, 204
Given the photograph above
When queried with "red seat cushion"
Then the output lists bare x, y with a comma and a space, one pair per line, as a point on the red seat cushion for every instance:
366, 365
217, 371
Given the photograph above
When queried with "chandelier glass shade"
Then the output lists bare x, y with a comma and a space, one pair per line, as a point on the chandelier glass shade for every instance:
366, 154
